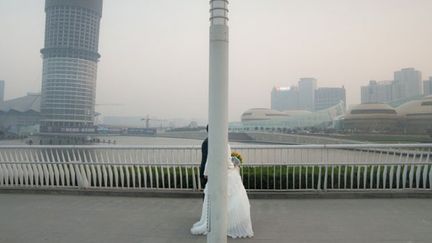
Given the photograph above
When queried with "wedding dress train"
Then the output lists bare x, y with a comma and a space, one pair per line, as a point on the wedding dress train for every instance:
239, 220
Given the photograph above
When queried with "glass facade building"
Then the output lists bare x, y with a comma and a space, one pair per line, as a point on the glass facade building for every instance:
285, 98
307, 88
407, 83
328, 97
70, 57
427, 86
377, 92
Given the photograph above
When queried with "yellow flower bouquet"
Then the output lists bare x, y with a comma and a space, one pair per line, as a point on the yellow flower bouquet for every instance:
236, 159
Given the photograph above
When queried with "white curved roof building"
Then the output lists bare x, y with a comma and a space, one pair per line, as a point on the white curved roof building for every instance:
267, 119
260, 114
16, 115
413, 117
371, 118
417, 108
417, 115
371, 111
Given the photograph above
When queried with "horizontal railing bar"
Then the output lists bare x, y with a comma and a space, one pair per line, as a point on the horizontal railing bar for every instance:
114, 147
196, 164
110, 188
343, 190
309, 146
93, 163
334, 146
341, 164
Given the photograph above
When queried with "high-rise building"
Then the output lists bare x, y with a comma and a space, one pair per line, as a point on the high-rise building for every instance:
328, 97
285, 98
427, 86
306, 97
407, 83
2, 90
377, 92
70, 57
307, 87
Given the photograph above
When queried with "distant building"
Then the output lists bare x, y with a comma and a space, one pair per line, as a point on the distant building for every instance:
70, 57
407, 83
2, 90
372, 118
19, 114
263, 119
417, 116
264, 114
377, 92
306, 97
329, 97
285, 98
427, 87
307, 87
412, 117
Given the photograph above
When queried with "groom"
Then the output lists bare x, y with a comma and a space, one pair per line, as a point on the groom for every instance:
204, 150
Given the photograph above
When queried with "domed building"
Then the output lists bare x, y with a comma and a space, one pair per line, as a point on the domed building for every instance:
417, 115
372, 118
264, 119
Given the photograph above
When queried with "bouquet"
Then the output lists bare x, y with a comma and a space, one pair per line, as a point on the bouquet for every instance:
236, 159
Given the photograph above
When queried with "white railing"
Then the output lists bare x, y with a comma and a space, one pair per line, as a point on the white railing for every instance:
266, 168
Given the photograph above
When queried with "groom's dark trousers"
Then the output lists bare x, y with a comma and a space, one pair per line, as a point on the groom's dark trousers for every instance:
204, 150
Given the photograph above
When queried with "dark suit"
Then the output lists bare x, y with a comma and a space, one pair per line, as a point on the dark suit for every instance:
204, 150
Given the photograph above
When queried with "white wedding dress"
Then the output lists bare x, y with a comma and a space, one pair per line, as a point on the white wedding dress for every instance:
239, 220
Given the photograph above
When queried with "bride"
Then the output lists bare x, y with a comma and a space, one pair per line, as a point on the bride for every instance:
239, 221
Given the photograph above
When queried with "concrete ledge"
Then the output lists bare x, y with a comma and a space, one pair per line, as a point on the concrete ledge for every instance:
107, 192
340, 194
252, 195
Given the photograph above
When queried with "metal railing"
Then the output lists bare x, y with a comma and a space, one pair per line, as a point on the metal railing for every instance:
266, 168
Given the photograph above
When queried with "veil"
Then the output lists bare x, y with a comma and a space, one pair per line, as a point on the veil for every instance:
230, 164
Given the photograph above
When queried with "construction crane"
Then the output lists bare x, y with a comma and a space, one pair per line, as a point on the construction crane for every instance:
148, 119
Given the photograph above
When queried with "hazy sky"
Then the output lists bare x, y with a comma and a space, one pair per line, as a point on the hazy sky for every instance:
155, 52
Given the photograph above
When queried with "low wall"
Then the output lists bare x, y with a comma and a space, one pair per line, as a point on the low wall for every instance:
295, 139
262, 137
199, 193
185, 135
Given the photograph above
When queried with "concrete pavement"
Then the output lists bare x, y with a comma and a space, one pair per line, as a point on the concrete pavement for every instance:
70, 218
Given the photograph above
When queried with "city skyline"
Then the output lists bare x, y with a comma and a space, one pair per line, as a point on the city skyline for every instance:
317, 40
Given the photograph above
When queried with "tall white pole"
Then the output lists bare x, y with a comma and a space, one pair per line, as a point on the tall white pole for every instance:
218, 122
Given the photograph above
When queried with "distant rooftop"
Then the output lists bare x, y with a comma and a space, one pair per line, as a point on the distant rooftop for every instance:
30, 102
283, 88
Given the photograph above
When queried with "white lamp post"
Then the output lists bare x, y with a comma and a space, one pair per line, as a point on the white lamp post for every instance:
218, 122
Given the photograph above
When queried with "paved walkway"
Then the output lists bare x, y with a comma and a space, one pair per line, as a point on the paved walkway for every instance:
66, 218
